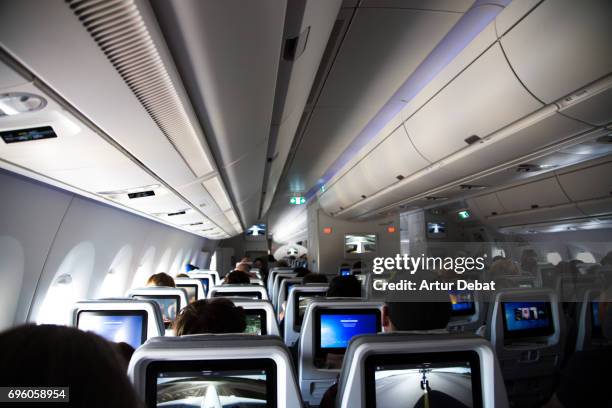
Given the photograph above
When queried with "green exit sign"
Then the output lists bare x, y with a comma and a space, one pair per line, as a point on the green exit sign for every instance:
464, 215
297, 200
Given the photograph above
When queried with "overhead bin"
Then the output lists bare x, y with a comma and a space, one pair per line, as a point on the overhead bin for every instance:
482, 99
488, 205
601, 206
569, 40
591, 182
543, 193
556, 213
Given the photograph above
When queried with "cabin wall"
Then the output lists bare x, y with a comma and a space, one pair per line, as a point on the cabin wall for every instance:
46, 232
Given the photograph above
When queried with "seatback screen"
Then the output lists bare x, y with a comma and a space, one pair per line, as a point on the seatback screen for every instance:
212, 383
192, 291
447, 379
596, 331
128, 326
256, 322
335, 328
302, 300
168, 304
462, 302
527, 319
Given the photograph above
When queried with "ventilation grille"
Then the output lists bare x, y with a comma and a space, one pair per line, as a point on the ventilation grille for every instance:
120, 32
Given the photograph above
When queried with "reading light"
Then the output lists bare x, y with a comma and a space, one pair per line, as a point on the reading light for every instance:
15, 103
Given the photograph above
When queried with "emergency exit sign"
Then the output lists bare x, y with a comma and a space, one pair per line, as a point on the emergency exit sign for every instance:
297, 200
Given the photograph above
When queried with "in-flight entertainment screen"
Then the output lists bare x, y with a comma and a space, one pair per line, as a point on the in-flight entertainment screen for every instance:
462, 302
357, 244
436, 230
255, 321
212, 383
335, 328
128, 326
302, 300
192, 291
168, 304
527, 319
249, 295
446, 379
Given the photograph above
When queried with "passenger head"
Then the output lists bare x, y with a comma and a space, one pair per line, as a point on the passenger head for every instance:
125, 351
314, 278
217, 315
161, 279
344, 286
504, 267
182, 275
357, 265
258, 263
59, 356
237, 276
426, 315
301, 271
497, 258
530, 264
243, 267
282, 264
607, 260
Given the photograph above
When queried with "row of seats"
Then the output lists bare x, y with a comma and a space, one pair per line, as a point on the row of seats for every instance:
536, 345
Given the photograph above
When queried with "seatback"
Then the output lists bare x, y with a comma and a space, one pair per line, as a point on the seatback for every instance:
215, 275
273, 272
396, 369
278, 279
244, 368
315, 379
590, 335
283, 291
207, 280
526, 328
190, 284
468, 311
240, 290
293, 321
165, 297
256, 281
253, 307
99, 310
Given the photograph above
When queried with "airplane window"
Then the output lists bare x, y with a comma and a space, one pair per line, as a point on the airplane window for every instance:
58, 302
553, 258
586, 257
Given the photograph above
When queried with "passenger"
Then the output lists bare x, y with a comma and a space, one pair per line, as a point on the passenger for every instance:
60, 356
217, 315
237, 276
161, 279
497, 258
314, 278
259, 264
607, 260
246, 268
282, 264
182, 275
126, 352
344, 286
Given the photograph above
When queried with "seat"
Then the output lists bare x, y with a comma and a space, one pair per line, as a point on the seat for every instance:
388, 370
195, 289
239, 290
328, 325
590, 335
259, 313
278, 279
170, 300
207, 280
273, 272
283, 291
211, 370
468, 311
256, 281
120, 320
215, 274
527, 331
298, 299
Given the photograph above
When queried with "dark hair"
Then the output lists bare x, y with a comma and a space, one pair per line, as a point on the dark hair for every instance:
282, 263
126, 352
182, 275
314, 278
217, 315
301, 271
236, 276
60, 356
357, 265
344, 286
607, 260
161, 279
419, 315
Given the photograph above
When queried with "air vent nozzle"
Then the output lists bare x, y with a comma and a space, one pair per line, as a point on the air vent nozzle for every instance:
471, 187
176, 213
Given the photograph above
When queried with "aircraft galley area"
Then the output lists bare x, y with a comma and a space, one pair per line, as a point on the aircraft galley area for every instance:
306, 203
